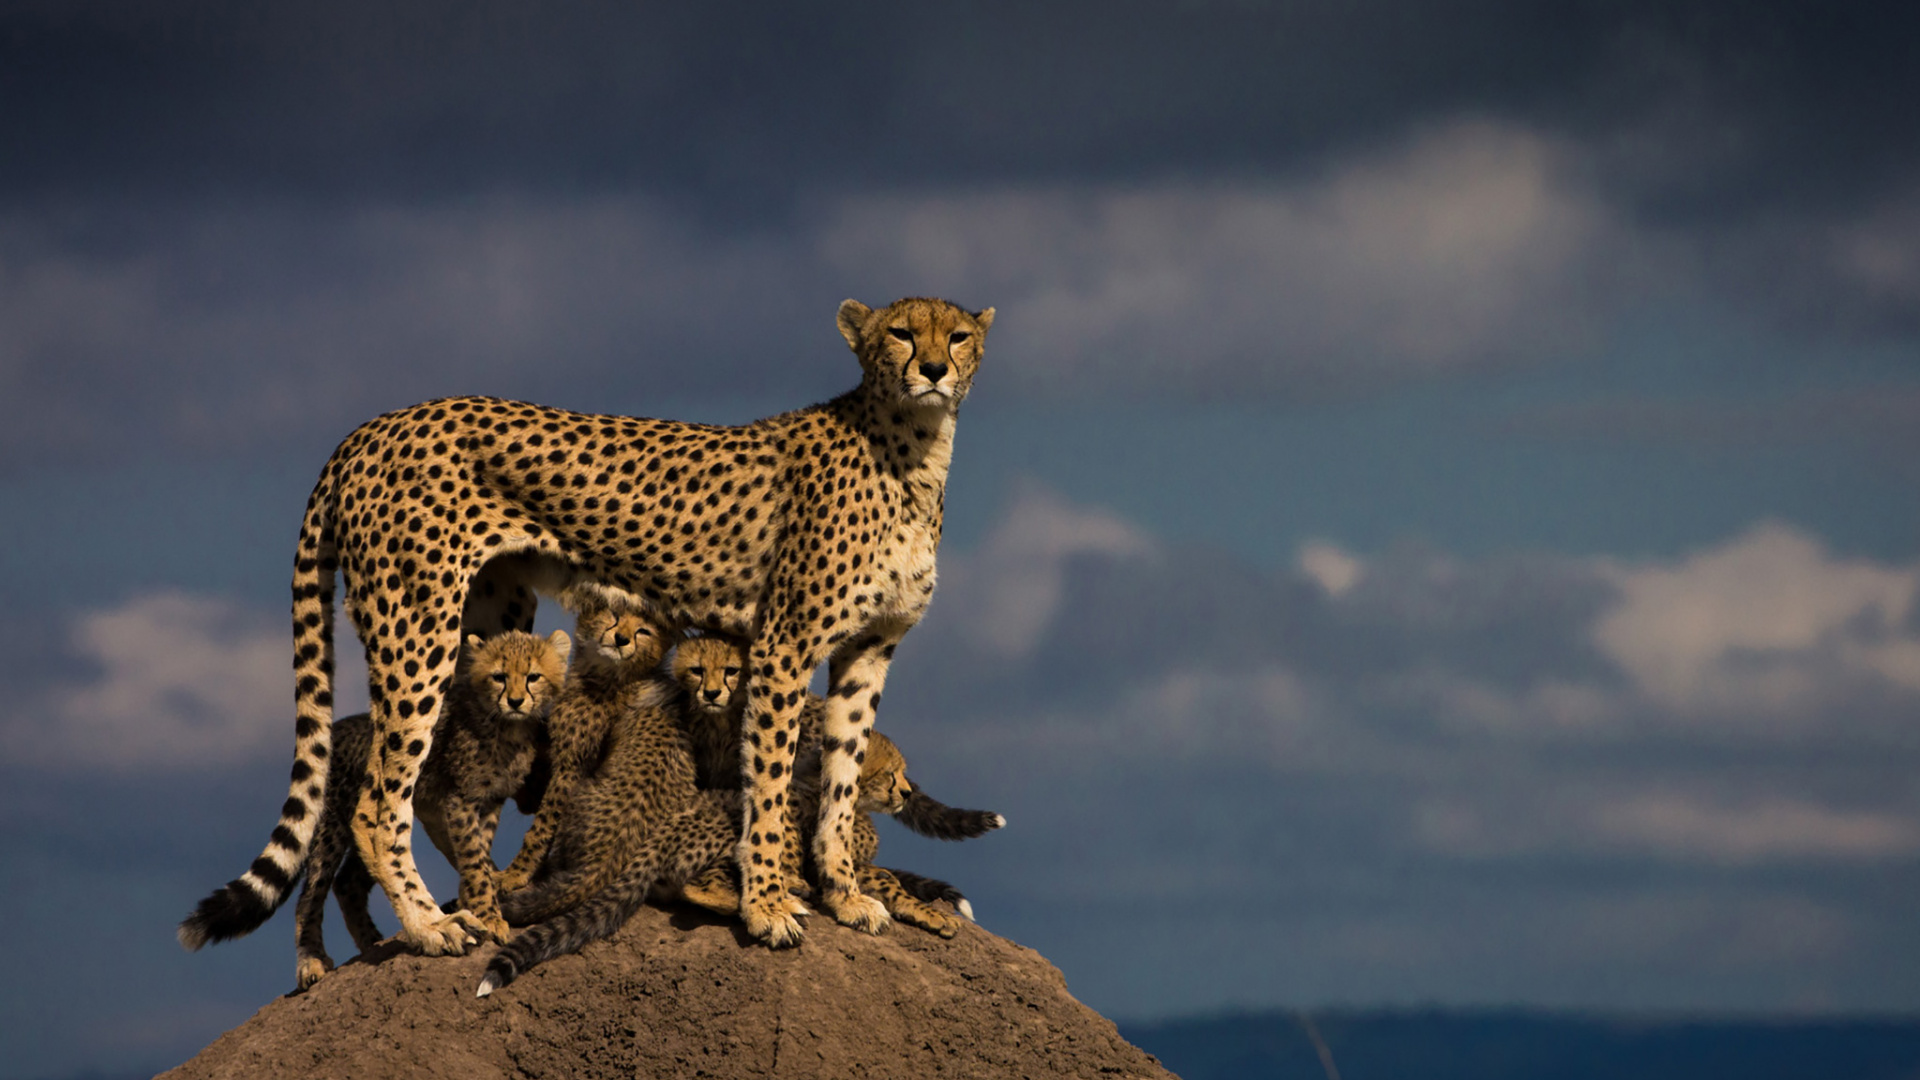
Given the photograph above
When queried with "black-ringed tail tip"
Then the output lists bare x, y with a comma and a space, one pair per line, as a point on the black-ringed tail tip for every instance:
965, 907
999, 822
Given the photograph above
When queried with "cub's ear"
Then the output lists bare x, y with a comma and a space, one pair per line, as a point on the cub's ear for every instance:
562, 644
474, 641
985, 318
853, 322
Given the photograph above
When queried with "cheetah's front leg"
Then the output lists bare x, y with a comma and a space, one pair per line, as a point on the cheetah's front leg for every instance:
856, 675
776, 691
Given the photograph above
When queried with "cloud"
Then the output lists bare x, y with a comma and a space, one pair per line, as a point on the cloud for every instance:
179, 683
1009, 589
225, 326
1759, 624
1509, 709
233, 327
1466, 244
1698, 826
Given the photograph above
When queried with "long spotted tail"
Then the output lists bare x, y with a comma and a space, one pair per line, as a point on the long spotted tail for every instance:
929, 816
570, 931
244, 903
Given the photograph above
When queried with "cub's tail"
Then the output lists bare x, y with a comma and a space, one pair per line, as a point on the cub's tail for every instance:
929, 816
249, 900
569, 932
927, 890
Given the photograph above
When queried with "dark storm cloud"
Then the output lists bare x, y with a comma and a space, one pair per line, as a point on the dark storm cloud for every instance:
738, 105
227, 227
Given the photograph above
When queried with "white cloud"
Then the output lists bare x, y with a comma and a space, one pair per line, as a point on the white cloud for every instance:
1764, 623
1004, 594
185, 683
1468, 243
1473, 242
1686, 826
1332, 569
1627, 818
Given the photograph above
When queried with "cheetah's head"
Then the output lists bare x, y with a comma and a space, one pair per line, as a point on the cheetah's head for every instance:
517, 676
919, 351
621, 637
883, 777
708, 669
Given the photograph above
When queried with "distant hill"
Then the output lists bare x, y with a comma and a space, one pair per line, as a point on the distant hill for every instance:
1520, 1045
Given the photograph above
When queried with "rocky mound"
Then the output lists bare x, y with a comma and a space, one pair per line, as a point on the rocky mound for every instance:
682, 994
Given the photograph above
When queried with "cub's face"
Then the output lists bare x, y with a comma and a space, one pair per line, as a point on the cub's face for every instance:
708, 669
622, 638
926, 351
883, 777
517, 676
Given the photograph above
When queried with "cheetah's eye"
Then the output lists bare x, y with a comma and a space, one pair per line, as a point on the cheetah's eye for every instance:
499, 677
900, 332
733, 673
958, 336
697, 672
533, 677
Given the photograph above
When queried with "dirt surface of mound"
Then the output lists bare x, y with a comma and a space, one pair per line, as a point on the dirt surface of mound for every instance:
679, 994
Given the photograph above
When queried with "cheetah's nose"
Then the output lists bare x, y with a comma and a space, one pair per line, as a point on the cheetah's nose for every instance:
514, 703
710, 695
933, 369
621, 640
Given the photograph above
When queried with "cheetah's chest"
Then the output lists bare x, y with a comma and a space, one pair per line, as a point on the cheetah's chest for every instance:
907, 567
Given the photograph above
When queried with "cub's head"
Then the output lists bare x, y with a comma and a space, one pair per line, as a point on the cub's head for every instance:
883, 777
922, 351
515, 675
708, 669
624, 638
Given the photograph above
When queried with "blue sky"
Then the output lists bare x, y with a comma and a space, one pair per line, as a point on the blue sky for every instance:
1437, 522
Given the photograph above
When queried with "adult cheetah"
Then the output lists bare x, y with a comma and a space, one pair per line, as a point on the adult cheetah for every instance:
812, 533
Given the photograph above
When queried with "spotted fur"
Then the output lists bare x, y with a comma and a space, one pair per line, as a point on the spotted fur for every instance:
503, 690
662, 854
618, 652
645, 779
814, 533
706, 670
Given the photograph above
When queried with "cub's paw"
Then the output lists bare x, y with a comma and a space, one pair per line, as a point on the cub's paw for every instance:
926, 917
858, 910
511, 880
451, 935
311, 969
497, 929
770, 920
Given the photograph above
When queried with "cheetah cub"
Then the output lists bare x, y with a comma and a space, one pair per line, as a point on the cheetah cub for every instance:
641, 852
643, 778
708, 669
708, 672
503, 690
610, 675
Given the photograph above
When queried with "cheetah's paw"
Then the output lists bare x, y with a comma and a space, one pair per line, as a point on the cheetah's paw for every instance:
450, 935
310, 970
771, 922
858, 910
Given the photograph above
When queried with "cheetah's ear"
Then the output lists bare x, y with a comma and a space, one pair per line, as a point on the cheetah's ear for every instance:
853, 322
475, 641
985, 318
562, 644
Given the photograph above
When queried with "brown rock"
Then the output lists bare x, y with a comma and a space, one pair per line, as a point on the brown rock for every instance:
680, 994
